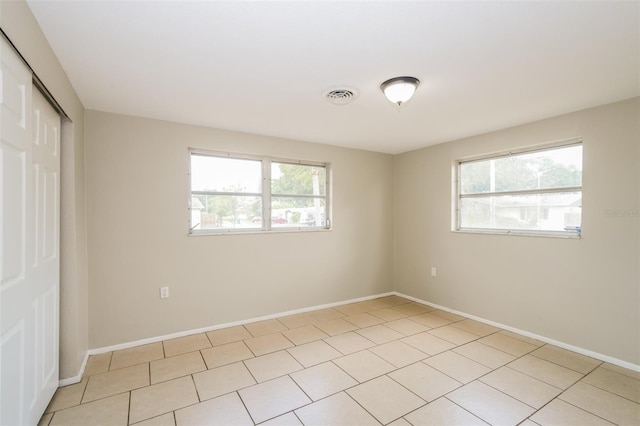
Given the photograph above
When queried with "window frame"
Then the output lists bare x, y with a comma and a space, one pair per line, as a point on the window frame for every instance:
459, 196
265, 194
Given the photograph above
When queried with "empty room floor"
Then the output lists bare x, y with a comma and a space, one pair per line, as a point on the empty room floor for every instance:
383, 361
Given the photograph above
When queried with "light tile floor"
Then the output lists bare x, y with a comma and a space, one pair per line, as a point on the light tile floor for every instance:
384, 361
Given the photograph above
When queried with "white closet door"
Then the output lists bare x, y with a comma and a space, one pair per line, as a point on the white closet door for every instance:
29, 248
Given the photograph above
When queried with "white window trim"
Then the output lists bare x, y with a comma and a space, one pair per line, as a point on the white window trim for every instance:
457, 196
265, 194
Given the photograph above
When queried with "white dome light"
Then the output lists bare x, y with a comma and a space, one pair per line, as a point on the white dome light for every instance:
400, 89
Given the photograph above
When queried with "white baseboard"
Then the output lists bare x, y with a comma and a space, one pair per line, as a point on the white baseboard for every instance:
75, 379
582, 351
127, 345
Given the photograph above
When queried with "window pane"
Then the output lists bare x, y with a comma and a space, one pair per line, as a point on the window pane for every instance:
297, 179
559, 211
225, 212
554, 168
219, 174
227, 193
296, 212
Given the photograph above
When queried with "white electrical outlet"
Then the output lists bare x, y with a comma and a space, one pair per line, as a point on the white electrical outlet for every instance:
433, 271
164, 292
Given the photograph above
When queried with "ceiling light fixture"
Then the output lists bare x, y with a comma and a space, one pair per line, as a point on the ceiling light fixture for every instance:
400, 89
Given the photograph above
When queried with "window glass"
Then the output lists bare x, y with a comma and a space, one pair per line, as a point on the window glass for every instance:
297, 212
298, 195
228, 195
227, 211
558, 211
297, 179
538, 191
223, 174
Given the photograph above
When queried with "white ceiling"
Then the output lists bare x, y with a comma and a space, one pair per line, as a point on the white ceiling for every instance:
262, 67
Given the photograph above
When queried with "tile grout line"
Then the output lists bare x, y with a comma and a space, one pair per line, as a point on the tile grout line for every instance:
490, 347
607, 390
463, 408
511, 396
540, 380
604, 390
243, 404
209, 339
362, 406
557, 397
110, 361
84, 390
193, 380
553, 362
495, 369
249, 370
129, 410
297, 417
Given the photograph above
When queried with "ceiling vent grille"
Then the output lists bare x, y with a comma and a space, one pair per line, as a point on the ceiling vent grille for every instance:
340, 96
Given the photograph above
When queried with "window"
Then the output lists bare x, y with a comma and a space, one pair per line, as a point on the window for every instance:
237, 193
529, 192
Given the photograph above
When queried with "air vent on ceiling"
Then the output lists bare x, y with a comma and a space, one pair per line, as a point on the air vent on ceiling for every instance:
340, 95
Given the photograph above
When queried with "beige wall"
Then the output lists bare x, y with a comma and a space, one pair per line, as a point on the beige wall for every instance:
22, 29
137, 188
581, 292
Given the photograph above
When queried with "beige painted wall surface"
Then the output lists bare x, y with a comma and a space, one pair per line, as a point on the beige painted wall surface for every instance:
137, 188
17, 21
582, 292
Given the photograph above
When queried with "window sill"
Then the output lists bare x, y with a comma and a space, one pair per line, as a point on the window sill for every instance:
204, 233
523, 233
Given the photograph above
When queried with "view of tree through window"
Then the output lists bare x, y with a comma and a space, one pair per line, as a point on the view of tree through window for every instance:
227, 193
297, 195
533, 191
